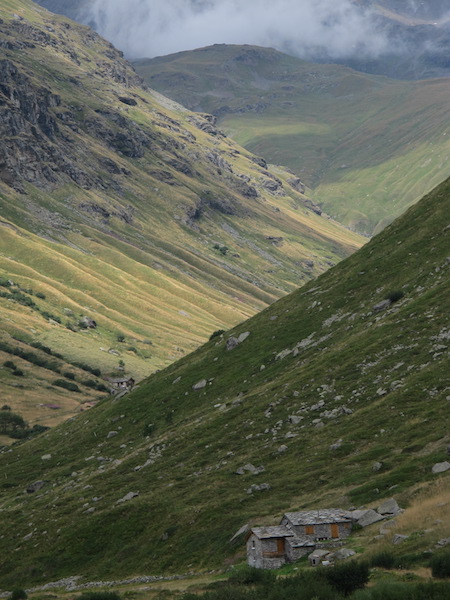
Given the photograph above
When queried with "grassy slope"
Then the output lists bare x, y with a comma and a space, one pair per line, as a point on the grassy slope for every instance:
180, 448
367, 146
147, 272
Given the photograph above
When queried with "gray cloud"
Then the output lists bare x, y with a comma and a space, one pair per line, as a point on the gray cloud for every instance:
307, 28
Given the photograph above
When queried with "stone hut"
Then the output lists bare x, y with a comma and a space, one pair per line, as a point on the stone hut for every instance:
271, 547
325, 524
297, 535
122, 383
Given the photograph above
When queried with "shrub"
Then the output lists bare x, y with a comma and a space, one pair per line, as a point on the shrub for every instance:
148, 429
40, 295
18, 373
6, 407
440, 564
38, 429
394, 296
20, 298
42, 347
10, 365
250, 575
18, 594
68, 385
216, 333
222, 249
91, 383
50, 316
384, 560
69, 375
309, 585
87, 368
347, 577
120, 338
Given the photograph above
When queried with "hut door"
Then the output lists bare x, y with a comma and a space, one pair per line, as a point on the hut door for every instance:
280, 546
334, 530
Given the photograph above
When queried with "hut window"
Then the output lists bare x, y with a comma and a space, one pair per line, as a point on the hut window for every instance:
253, 544
309, 529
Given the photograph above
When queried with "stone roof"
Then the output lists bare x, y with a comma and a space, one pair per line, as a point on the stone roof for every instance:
316, 517
275, 531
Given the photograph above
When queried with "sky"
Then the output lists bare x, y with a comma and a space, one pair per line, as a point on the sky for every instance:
306, 28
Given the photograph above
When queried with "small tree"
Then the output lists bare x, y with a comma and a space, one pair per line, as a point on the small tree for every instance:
347, 577
216, 333
12, 424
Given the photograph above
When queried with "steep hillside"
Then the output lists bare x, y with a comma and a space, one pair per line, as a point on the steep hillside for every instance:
120, 207
368, 147
339, 392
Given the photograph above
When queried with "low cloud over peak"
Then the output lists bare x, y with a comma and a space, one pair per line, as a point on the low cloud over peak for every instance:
307, 28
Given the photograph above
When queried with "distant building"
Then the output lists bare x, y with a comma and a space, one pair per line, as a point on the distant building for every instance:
121, 384
297, 535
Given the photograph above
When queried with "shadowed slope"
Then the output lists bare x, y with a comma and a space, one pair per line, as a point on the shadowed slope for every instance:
347, 371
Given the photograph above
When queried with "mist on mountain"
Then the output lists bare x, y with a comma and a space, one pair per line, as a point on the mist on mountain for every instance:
306, 28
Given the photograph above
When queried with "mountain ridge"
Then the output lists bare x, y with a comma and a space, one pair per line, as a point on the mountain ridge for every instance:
366, 146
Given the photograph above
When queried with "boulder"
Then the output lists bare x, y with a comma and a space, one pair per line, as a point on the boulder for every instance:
369, 517
35, 487
250, 469
343, 553
336, 445
387, 526
243, 336
383, 305
112, 434
232, 343
443, 542
441, 467
258, 488
355, 515
389, 507
398, 538
199, 385
87, 322
128, 496
295, 419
